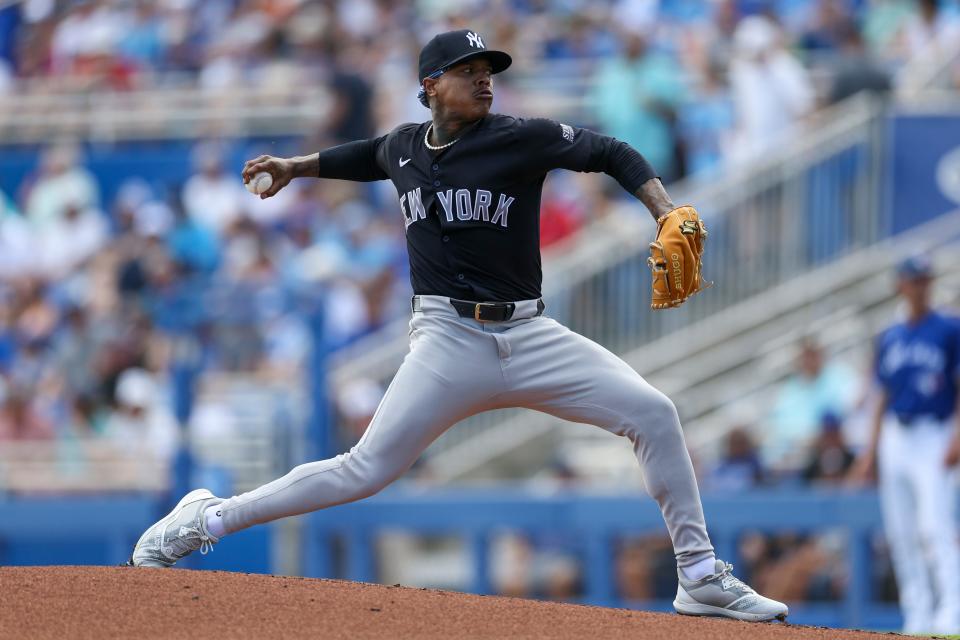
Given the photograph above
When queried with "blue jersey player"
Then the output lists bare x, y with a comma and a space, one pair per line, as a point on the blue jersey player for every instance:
915, 444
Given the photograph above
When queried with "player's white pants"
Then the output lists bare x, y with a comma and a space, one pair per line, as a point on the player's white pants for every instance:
918, 496
458, 367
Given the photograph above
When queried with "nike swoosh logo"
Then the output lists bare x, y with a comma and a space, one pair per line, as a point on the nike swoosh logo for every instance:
403, 162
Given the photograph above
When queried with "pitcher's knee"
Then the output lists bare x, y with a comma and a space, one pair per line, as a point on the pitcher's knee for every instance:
656, 417
368, 474
665, 410
367, 489
376, 481
658, 409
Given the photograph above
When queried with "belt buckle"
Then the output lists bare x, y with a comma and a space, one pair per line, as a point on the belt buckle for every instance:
476, 310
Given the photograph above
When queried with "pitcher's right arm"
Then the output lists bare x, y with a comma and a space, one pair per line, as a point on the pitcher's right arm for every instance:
357, 161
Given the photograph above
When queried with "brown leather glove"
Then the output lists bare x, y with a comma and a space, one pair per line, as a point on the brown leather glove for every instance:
675, 257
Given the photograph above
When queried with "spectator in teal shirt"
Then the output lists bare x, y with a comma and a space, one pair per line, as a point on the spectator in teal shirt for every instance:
635, 100
815, 389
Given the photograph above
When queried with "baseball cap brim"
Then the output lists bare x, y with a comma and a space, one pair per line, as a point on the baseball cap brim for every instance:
499, 60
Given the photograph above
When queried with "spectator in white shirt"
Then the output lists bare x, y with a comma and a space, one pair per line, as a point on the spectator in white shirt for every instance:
771, 89
143, 422
92, 30
16, 241
70, 241
212, 197
930, 30
62, 184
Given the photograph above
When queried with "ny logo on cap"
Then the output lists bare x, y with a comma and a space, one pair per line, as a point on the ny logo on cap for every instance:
474, 40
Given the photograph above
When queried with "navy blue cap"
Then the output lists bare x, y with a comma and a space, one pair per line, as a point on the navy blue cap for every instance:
915, 267
452, 47
830, 421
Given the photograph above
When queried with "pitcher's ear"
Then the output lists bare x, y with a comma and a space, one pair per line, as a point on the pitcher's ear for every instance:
429, 86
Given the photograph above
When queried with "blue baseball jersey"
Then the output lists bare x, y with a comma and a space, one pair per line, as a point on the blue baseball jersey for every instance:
918, 366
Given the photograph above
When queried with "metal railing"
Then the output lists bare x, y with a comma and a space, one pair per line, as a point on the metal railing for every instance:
264, 435
89, 464
78, 465
253, 436
174, 106
813, 200
163, 113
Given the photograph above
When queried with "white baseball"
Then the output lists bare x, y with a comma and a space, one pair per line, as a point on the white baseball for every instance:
259, 183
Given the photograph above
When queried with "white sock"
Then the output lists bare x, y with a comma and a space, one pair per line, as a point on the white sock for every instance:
214, 521
702, 569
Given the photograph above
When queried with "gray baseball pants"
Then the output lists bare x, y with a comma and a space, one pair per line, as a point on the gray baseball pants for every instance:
457, 367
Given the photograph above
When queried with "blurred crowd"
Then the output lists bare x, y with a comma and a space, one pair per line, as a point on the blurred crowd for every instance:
100, 302
816, 423
690, 83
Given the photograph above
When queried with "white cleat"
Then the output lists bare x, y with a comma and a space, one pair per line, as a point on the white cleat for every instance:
723, 594
178, 534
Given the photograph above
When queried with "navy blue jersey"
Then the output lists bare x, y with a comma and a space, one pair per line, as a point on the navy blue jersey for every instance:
472, 210
918, 365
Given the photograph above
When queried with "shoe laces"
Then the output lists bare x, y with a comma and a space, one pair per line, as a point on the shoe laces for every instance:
206, 545
728, 580
186, 541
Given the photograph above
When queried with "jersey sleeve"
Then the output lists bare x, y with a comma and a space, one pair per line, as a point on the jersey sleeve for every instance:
553, 145
360, 161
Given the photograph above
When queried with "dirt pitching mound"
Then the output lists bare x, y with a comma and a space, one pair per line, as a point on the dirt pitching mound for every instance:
121, 602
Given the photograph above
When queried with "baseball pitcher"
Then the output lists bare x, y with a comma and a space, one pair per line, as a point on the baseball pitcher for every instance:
468, 185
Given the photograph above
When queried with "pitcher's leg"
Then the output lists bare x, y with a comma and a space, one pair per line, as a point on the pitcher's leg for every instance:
423, 401
634, 409
552, 369
451, 372
555, 370
569, 376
